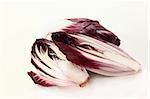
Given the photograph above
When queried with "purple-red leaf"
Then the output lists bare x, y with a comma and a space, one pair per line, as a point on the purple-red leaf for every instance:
91, 28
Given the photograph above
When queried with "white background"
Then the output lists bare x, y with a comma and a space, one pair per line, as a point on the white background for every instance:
21, 23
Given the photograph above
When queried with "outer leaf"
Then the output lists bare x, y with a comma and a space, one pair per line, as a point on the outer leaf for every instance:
93, 29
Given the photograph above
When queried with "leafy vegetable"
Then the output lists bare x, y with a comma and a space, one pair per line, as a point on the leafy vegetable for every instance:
53, 67
63, 57
95, 55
